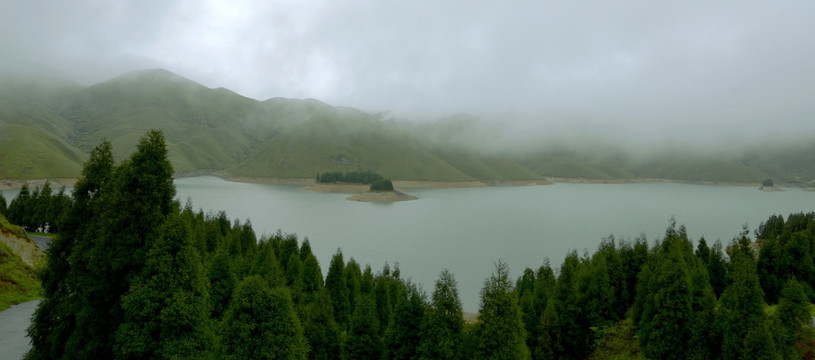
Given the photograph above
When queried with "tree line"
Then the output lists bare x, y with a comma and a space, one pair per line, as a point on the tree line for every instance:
134, 274
40, 210
357, 176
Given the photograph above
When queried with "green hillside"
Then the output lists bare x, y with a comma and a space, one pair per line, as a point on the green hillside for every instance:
18, 281
47, 126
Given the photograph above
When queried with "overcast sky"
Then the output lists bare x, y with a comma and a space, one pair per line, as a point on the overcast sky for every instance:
676, 67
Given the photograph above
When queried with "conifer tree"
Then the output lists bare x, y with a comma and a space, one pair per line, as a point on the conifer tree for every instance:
363, 334
223, 282
166, 311
312, 276
3, 205
261, 324
443, 327
548, 345
500, 328
338, 289
663, 310
572, 334
266, 266
404, 335
132, 208
742, 309
54, 320
794, 323
321, 331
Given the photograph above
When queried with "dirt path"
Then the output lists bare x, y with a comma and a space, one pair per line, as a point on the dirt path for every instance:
14, 321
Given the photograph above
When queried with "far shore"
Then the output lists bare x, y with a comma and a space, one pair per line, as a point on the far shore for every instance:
310, 184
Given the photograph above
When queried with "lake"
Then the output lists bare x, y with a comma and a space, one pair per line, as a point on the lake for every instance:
468, 230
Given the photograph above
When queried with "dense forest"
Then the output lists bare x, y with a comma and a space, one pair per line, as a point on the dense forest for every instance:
133, 274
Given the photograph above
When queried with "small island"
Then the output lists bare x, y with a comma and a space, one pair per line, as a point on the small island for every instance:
367, 186
769, 185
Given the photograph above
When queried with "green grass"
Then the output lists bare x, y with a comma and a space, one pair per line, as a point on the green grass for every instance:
47, 127
18, 281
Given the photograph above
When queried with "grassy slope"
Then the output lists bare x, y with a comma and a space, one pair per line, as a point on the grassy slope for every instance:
48, 125
28, 153
18, 281
202, 126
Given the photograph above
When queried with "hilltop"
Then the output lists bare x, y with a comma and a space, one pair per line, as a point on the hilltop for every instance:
48, 125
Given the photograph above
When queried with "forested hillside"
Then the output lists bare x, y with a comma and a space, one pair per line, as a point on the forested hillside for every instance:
48, 126
164, 281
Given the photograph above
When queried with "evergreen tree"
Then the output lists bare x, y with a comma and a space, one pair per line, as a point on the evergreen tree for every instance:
3, 205
266, 266
17, 211
363, 334
663, 310
54, 320
338, 289
500, 328
223, 283
794, 323
312, 275
443, 327
717, 269
321, 331
548, 345
572, 334
166, 311
132, 208
529, 313
404, 335
742, 310
352, 280
261, 324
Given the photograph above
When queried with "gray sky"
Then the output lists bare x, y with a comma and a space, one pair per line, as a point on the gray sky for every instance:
640, 68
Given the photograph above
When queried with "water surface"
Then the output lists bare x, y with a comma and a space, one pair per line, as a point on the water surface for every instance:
467, 230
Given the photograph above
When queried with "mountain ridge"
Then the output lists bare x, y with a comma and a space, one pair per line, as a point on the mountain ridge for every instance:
47, 127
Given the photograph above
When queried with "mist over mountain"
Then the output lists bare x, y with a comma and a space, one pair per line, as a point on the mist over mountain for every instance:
48, 124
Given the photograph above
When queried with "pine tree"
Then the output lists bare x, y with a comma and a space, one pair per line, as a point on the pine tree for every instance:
501, 331
443, 327
261, 324
363, 334
166, 311
3, 205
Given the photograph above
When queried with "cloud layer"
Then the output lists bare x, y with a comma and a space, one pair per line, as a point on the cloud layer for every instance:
692, 68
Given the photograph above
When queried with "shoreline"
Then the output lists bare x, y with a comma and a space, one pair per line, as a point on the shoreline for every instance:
311, 184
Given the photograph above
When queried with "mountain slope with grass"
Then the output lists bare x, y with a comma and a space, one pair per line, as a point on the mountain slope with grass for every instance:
47, 126
18, 278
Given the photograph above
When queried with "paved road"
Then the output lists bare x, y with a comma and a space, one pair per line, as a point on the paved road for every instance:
13, 324
41, 241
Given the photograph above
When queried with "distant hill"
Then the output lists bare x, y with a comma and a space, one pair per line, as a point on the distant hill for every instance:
48, 125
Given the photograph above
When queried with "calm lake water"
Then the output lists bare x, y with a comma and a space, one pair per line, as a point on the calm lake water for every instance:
468, 230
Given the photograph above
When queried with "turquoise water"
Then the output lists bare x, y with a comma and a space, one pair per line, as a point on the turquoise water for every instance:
467, 230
